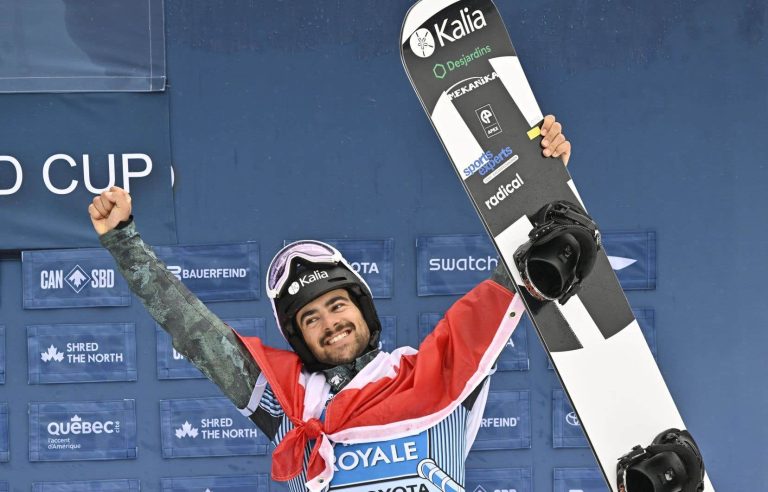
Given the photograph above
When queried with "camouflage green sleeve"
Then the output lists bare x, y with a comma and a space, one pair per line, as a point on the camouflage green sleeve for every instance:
197, 333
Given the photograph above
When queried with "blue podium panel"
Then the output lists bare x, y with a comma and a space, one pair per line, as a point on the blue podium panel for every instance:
566, 428
579, 480
71, 279
208, 427
633, 258
218, 272
499, 480
506, 422
69, 431
81, 353
2, 354
243, 483
124, 485
453, 264
5, 454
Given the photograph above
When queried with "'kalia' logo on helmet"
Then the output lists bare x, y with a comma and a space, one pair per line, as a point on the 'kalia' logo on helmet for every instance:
423, 43
305, 280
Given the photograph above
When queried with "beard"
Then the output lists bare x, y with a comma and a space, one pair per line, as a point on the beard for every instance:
354, 345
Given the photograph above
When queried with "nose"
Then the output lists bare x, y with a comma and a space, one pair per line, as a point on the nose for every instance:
333, 321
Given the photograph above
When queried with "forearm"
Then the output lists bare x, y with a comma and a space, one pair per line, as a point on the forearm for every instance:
196, 332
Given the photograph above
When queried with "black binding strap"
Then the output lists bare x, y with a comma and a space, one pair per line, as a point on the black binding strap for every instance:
560, 251
672, 463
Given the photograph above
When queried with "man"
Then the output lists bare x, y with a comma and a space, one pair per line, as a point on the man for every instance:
339, 410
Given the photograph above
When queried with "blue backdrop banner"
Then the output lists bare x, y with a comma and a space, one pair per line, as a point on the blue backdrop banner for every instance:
221, 272
72, 278
499, 480
60, 150
68, 431
104, 45
89, 486
207, 427
579, 479
243, 483
514, 357
173, 365
633, 258
453, 264
5, 450
371, 258
388, 338
506, 423
81, 353
2, 354
566, 428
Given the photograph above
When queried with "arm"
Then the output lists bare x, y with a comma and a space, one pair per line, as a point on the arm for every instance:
196, 332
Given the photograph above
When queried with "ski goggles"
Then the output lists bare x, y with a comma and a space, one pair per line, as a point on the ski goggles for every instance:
279, 270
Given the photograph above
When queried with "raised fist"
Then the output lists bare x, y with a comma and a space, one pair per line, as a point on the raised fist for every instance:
109, 209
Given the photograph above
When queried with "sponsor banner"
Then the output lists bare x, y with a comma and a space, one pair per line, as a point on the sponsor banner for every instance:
566, 428
2, 354
506, 423
81, 353
68, 431
207, 427
220, 272
499, 480
60, 150
358, 464
388, 338
579, 480
453, 264
646, 318
173, 365
633, 258
373, 259
514, 357
243, 483
89, 486
71, 279
5, 450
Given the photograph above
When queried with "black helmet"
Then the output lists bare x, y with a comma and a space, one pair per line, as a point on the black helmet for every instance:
303, 271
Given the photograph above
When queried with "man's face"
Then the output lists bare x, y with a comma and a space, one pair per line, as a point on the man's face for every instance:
334, 328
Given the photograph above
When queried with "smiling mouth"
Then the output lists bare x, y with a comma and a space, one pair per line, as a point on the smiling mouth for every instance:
344, 334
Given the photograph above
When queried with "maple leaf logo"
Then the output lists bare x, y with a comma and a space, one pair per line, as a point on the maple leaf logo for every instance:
77, 279
52, 354
186, 430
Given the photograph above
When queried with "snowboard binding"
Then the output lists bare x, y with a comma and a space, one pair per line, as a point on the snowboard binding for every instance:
560, 251
672, 463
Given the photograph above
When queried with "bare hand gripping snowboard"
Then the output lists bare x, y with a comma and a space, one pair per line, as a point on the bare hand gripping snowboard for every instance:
466, 73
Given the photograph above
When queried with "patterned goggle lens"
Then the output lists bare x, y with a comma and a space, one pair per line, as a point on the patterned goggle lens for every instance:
308, 250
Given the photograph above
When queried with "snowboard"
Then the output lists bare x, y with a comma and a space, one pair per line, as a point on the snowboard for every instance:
466, 73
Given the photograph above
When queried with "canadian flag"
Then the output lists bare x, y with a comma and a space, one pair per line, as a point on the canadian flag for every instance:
398, 394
